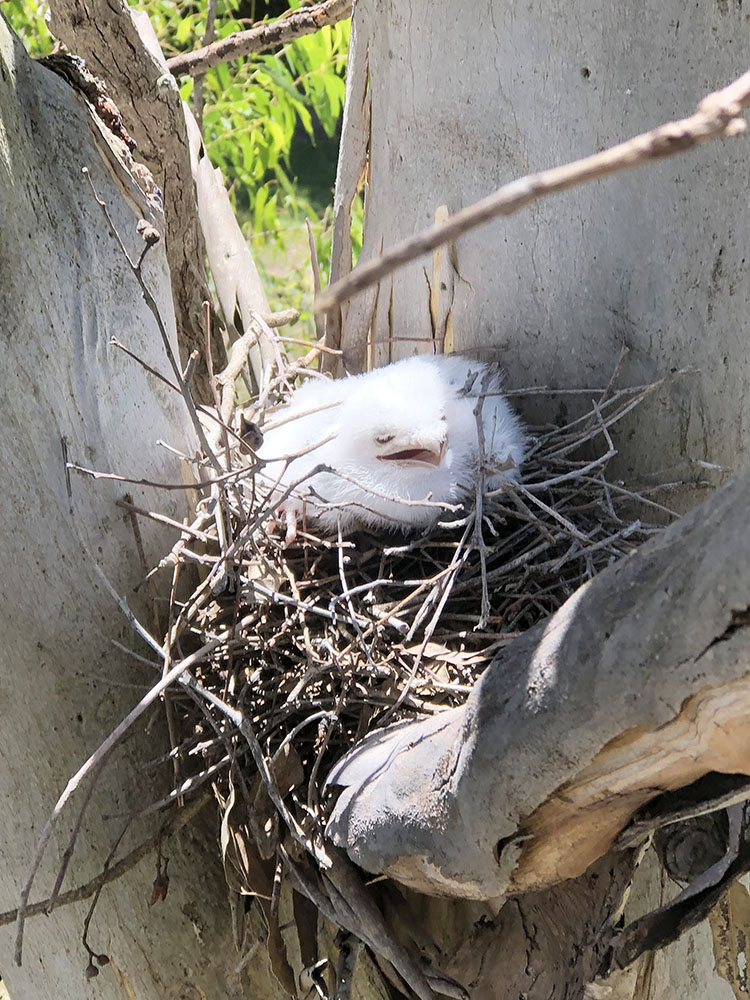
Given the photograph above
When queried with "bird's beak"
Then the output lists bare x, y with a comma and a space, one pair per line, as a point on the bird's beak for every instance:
416, 454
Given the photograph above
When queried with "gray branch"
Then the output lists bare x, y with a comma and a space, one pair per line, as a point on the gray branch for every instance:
522, 785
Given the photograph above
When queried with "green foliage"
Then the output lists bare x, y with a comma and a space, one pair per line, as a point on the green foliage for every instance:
270, 122
27, 19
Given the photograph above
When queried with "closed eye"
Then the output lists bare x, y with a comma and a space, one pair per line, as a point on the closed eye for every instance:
384, 438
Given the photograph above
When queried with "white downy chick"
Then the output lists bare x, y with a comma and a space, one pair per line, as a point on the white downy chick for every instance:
402, 441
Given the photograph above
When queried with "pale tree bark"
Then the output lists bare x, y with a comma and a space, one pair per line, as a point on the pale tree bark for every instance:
448, 104
66, 289
636, 687
465, 98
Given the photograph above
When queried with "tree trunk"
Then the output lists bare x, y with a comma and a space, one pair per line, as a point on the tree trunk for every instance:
66, 289
465, 98
458, 101
448, 104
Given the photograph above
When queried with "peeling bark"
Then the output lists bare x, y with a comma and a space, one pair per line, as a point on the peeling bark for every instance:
105, 34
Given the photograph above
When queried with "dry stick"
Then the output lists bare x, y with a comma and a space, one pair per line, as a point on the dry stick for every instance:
238, 357
173, 555
570, 528
485, 611
183, 787
349, 603
261, 37
637, 496
206, 411
632, 394
341, 908
459, 558
172, 730
150, 301
717, 116
163, 519
624, 352
181, 819
93, 762
225, 477
114, 342
189, 370
151, 586
68, 854
92, 970
245, 727
316, 348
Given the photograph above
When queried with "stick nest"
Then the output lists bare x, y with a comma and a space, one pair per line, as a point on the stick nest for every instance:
322, 642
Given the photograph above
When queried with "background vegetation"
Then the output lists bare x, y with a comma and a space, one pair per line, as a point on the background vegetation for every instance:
271, 122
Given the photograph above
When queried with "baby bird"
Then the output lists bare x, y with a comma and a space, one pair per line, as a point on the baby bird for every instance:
390, 448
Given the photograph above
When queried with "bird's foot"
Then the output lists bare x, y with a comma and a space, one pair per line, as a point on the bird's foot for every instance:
290, 519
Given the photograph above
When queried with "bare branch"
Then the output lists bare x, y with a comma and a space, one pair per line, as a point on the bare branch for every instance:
261, 37
717, 116
180, 819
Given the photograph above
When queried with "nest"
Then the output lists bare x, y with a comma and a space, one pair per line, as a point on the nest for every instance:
315, 645
288, 657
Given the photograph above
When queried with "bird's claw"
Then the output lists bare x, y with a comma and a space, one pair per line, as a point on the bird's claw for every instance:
290, 519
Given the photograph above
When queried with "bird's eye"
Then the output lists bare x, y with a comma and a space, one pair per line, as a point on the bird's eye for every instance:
384, 438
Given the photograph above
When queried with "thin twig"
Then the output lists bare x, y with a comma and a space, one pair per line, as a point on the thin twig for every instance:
136, 268
177, 822
92, 763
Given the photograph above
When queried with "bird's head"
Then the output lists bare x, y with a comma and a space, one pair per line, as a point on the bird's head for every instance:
421, 446
394, 422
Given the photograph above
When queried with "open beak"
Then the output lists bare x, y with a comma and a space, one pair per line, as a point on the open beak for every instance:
416, 456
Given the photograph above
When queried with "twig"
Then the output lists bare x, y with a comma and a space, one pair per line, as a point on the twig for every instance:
717, 116
93, 762
189, 370
180, 819
114, 342
261, 37
136, 268
68, 853
238, 358
243, 724
162, 519
479, 491
226, 477
94, 958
